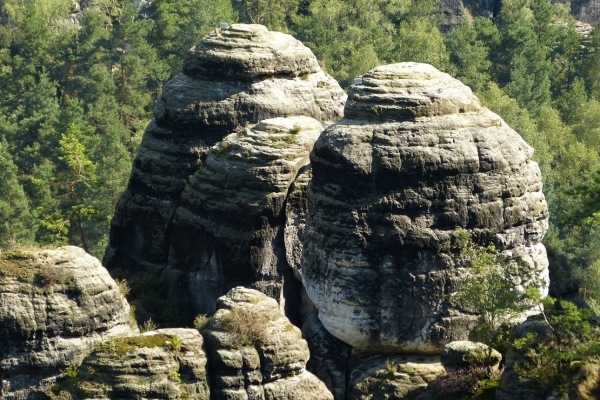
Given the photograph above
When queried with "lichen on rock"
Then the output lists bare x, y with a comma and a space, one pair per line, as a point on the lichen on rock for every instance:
267, 365
415, 156
148, 365
55, 305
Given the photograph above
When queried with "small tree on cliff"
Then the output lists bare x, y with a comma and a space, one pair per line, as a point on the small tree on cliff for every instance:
495, 287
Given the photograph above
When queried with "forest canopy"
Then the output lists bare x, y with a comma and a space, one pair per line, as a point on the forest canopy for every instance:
80, 82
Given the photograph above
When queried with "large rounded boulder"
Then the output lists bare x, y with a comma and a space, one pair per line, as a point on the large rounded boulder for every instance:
415, 157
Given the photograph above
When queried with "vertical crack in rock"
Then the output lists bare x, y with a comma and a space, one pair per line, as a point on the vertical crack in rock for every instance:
415, 156
229, 228
241, 76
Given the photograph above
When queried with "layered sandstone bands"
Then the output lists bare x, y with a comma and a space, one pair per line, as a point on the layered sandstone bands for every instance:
415, 157
261, 75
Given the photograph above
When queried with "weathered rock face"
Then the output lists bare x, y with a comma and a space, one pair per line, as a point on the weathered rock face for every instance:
464, 355
163, 364
415, 156
54, 306
256, 353
229, 228
396, 377
242, 75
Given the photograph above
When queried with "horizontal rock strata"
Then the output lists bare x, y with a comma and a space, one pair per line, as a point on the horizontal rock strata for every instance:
256, 353
161, 364
415, 157
229, 228
55, 305
239, 76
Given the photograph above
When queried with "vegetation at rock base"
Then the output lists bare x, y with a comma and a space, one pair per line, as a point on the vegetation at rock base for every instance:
497, 288
76, 99
473, 383
567, 359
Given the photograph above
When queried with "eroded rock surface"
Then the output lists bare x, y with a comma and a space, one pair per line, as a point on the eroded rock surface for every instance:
464, 355
256, 353
54, 306
229, 228
415, 157
161, 364
241, 76
396, 377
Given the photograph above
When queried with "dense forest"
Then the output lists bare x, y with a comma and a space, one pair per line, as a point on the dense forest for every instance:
79, 82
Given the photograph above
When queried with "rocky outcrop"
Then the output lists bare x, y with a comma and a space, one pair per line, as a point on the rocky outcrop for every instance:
415, 156
256, 353
161, 364
241, 75
465, 355
395, 377
55, 305
230, 227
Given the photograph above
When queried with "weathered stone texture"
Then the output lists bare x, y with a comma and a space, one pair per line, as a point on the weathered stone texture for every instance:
242, 75
464, 355
415, 157
144, 366
54, 306
272, 366
396, 377
229, 228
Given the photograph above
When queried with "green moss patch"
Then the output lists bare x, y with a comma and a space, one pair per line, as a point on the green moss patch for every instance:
122, 346
18, 264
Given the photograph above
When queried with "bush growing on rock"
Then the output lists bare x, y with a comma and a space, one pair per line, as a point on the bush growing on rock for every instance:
499, 289
248, 326
556, 353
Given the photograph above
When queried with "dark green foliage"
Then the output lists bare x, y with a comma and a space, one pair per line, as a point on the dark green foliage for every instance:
15, 216
566, 359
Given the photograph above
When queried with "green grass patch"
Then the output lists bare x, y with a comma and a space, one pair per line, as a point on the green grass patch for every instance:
122, 346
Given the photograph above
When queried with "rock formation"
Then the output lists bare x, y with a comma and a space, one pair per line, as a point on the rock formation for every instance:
54, 306
395, 377
229, 227
256, 353
415, 156
162, 364
240, 76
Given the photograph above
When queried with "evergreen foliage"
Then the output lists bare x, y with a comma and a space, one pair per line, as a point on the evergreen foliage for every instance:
88, 89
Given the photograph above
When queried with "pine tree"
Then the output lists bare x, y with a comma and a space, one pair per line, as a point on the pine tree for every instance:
15, 216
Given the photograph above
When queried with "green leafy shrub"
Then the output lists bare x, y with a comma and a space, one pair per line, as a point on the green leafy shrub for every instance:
175, 342
489, 288
174, 376
72, 371
569, 358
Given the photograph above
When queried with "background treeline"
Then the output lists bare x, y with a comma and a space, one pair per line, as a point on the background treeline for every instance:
78, 88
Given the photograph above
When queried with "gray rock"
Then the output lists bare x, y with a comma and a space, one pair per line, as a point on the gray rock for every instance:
415, 156
395, 377
237, 77
55, 305
230, 227
464, 354
256, 353
161, 364
329, 356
